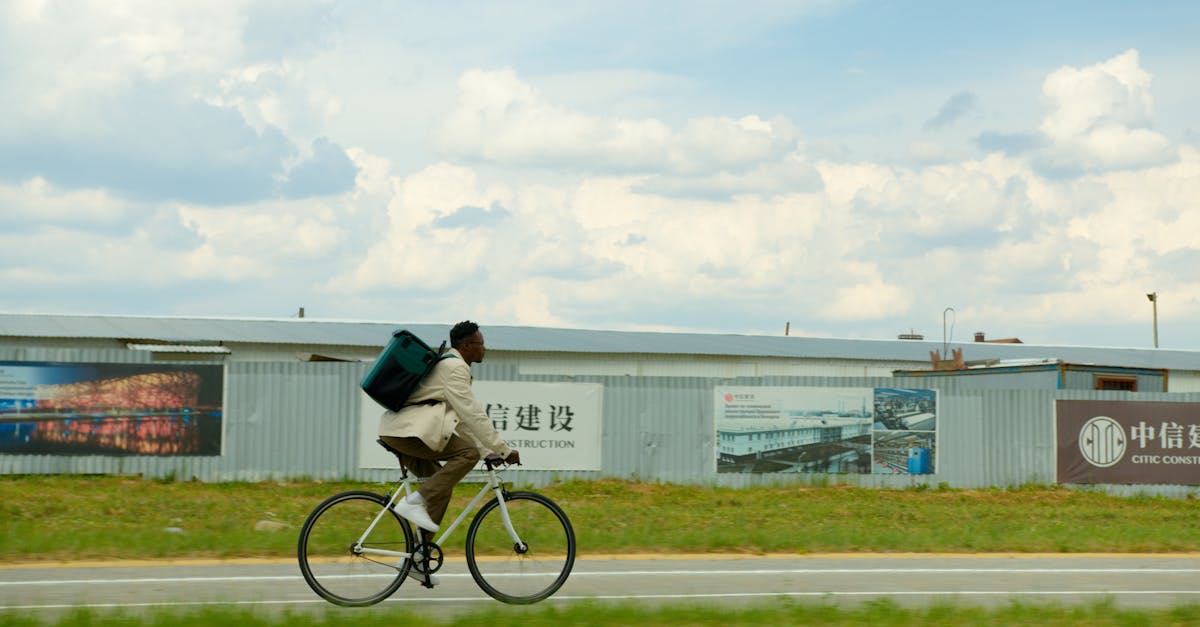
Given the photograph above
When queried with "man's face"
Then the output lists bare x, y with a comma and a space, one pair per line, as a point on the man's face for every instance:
472, 348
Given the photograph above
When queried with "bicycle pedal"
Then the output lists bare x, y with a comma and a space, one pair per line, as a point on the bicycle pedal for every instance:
426, 581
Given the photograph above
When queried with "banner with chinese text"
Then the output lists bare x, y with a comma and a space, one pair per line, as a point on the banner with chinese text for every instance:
1128, 442
555, 426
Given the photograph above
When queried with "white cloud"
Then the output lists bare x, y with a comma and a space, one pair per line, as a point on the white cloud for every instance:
867, 297
868, 242
87, 237
1151, 213
1100, 117
529, 303
75, 52
595, 190
78, 260
160, 100
792, 173
709, 144
37, 202
410, 253
936, 203
503, 119
270, 231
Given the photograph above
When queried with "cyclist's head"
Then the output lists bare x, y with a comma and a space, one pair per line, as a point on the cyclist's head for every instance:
461, 332
466, 338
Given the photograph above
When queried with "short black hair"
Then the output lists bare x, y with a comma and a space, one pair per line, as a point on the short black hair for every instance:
462, 331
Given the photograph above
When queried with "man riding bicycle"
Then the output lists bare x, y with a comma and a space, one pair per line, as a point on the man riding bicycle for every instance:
443, 422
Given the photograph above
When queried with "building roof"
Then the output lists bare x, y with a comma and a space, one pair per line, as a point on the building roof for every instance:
319, 332
1008, 366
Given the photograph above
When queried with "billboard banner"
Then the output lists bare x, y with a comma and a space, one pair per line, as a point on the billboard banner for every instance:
555, 426
826, 430
1131, 442
111, 409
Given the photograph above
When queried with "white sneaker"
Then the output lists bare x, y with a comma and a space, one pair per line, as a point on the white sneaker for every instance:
416, 514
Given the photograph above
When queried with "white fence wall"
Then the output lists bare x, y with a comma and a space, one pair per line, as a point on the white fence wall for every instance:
299, 419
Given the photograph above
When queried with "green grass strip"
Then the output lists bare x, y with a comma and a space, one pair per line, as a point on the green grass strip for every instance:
53, 518
781, 612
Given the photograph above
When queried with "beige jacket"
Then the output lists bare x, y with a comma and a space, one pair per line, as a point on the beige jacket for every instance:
450, 406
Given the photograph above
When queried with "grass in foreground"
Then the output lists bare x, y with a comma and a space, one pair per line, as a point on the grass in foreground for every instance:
44, 518
780, 612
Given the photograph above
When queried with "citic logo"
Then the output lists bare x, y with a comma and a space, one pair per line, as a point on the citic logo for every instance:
1102, 441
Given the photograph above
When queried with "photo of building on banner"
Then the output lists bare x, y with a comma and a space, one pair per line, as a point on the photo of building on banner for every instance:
826, 430
110, 409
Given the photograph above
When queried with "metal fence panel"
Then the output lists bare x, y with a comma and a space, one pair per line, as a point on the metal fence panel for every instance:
301, 419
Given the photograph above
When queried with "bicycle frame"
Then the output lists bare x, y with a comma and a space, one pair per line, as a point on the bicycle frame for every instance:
511, 566
493, 485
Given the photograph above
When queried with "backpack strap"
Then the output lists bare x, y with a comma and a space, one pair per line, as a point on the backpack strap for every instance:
442, 354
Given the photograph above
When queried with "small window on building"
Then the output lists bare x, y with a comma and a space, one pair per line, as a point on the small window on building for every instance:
1123, 384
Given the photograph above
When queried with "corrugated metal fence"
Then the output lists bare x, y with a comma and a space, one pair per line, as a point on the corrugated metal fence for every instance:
297, 419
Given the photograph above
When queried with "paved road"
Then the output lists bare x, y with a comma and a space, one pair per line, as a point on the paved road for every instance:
1130, 581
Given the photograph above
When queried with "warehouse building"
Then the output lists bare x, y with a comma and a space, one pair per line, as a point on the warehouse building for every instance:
546, 351
225, 399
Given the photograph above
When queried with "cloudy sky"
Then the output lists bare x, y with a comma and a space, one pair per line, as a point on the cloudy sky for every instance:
850, 169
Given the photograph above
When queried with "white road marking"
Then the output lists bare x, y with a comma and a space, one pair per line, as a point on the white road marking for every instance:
640, 573
636, 573
630, 597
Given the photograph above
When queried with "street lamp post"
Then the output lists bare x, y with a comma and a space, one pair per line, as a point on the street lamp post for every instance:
1153, 296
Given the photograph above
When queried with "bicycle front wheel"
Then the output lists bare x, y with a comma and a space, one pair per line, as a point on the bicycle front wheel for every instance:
530, 567
336, 566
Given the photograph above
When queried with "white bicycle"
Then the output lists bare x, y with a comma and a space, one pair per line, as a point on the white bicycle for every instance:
355, 551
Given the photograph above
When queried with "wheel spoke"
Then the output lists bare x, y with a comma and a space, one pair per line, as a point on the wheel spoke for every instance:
326, 555
525, 572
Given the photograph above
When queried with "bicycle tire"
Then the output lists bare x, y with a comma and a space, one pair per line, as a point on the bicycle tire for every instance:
509, 574
325, 550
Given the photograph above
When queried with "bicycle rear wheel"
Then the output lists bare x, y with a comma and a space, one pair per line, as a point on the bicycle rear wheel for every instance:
532, 570
328, 557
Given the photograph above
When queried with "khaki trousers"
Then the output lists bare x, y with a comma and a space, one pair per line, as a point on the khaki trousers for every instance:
460, 457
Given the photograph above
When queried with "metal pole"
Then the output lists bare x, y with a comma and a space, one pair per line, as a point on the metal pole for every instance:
945, 336
1153, 296
1155, 304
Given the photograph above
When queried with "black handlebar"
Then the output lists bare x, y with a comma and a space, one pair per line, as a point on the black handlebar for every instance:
494, 461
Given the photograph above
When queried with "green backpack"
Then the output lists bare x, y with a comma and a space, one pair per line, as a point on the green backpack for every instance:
404, 362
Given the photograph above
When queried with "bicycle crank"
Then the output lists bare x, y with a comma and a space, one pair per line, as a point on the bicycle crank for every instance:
428, 558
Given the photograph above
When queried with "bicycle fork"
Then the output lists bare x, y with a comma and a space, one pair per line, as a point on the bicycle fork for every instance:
520, 547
